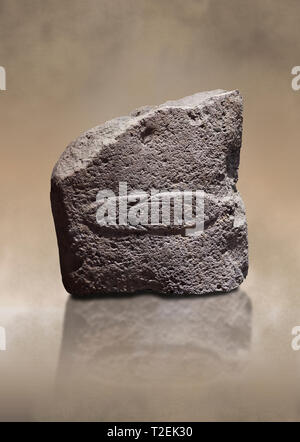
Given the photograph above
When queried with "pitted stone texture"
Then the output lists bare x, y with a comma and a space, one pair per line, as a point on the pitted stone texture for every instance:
190, 144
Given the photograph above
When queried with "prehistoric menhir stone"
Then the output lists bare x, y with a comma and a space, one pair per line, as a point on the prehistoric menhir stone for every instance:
188, 150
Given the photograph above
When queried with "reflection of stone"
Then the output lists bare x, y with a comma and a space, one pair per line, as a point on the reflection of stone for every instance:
149, 338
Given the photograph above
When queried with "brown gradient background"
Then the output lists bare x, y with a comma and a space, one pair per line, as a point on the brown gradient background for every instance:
73, 64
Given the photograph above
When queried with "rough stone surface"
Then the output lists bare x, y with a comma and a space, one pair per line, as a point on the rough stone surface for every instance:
190, 144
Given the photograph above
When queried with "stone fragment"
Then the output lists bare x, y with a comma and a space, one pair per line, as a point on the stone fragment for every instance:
188, 150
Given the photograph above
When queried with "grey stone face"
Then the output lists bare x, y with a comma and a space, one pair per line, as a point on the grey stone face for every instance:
192, 144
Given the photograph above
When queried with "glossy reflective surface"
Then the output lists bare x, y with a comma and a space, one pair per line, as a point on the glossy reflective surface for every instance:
73, 65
